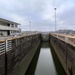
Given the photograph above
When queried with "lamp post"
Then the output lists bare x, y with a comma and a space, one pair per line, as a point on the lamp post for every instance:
55, 19
30, 25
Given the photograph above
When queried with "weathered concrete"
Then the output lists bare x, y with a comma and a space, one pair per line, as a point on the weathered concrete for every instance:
65, 52
16, 54
22, 67
44, 36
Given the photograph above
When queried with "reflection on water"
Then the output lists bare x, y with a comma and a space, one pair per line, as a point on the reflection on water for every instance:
45, 62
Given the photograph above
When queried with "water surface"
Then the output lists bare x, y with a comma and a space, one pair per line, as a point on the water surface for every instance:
45, 62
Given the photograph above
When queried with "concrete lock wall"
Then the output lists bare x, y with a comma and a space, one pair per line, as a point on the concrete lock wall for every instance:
44, 36
65, 53
16, 54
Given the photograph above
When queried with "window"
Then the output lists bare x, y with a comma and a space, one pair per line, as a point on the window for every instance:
12, 25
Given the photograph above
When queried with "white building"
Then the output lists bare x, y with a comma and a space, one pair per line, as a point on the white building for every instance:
8, 27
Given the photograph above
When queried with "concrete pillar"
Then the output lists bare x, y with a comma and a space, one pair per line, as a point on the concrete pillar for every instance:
10, 30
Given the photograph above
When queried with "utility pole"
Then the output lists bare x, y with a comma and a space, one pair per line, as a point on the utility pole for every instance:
30, 25
55, 19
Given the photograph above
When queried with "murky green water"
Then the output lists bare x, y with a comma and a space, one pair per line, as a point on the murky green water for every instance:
45, 62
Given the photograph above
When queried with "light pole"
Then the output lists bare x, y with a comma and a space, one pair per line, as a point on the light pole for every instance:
55, 19
30, 25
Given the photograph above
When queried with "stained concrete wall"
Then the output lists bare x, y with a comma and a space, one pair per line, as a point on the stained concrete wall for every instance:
30, 47
22, 67
17, 54
65, 53
44, 36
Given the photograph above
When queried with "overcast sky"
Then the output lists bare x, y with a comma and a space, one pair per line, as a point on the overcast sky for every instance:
40, 13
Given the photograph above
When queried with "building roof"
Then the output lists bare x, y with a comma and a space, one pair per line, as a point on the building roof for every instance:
7, 21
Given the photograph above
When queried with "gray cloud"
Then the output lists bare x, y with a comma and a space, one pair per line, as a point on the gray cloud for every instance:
40, 13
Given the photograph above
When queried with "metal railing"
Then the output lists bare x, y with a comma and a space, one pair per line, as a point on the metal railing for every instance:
2, 57
8, 28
